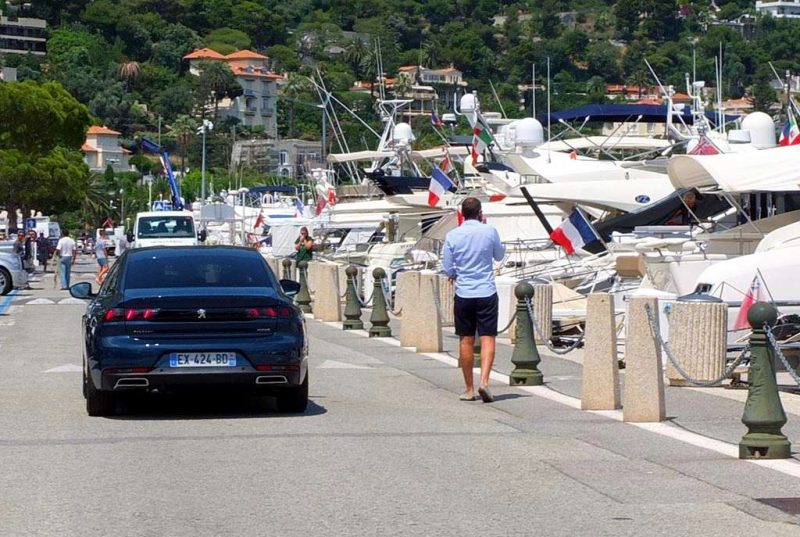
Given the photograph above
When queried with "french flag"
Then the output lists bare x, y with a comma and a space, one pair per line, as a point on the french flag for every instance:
574, 232
440, 184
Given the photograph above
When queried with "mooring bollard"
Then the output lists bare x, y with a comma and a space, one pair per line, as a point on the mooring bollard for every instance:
352, 307
763, 412
698, 338
303, 298
525, 356
643, 400
287, 269
379, 317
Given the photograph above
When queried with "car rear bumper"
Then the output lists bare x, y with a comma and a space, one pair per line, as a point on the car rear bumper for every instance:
166, 379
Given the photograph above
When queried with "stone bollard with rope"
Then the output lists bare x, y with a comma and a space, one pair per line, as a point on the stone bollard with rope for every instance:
676, 364
303, 298
542, 337
379, 318
763, 413
352, 308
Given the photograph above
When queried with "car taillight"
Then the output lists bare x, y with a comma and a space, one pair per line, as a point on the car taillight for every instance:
271, 312
119, 314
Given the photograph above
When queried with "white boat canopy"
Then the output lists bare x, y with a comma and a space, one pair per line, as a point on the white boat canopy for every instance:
773, 170
436, 152
614, 194
607, 143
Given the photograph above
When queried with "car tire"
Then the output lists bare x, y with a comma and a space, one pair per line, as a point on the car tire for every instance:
294, 400
6, 283
85, 385
98, 402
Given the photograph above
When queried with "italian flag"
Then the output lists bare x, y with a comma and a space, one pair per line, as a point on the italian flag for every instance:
481, 139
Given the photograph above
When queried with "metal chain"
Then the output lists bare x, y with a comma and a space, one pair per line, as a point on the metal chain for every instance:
546, 341
702, 383
510, 323
389, 305
780, 355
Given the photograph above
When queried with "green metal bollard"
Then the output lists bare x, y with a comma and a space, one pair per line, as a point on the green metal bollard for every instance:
525, 356
476, 351
763, 412
352, 308
287, 269
303, 298
379, 317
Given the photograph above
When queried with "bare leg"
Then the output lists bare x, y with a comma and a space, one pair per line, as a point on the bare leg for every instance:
487, 358
466, 360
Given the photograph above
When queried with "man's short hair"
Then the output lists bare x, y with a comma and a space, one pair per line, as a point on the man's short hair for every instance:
471, 208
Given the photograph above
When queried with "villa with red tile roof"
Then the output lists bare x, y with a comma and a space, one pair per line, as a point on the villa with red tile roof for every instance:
257, 106
102, 148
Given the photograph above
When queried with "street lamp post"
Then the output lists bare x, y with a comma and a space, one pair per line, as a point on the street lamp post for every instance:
122, 206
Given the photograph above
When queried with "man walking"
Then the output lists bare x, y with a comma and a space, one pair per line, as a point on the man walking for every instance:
102, 256
469, 252
67, 255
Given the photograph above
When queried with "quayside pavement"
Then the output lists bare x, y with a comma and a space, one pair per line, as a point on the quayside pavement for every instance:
386, 448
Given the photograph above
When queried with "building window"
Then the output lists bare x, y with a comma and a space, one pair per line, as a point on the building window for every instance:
283, 158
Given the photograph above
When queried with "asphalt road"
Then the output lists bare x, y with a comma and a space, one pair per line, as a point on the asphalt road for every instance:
385, 448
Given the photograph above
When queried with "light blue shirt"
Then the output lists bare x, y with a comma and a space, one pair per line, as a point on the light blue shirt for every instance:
468, 254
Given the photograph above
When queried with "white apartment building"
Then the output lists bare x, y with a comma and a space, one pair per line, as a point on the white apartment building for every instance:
780, 8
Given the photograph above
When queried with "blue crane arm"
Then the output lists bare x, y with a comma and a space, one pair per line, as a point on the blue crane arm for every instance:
152, 147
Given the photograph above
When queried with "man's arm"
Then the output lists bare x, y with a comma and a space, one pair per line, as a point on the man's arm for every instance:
498, 250
447, 260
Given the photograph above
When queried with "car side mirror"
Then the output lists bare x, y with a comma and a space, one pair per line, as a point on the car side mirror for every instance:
82, 290
129, 237
202, 235
290, 287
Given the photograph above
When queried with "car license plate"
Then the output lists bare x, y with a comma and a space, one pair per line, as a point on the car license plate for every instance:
202, 359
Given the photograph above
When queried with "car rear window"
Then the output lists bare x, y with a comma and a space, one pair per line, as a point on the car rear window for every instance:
195, 268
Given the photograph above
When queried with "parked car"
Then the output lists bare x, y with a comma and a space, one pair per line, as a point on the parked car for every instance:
12, 275
192, 317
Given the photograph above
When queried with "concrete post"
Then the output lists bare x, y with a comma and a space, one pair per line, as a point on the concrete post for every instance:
698, 338
600, 387
644, 380
525, 356
407, 299
380, 317
447, 295
352, 308
763, 412
303, 298
312, 276
326, 299
427, 317
543, 310
274, 265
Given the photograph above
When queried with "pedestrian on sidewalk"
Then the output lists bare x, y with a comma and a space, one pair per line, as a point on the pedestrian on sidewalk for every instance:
30, 241
102, 256
19, 247
42, 251
469, 253
67, 254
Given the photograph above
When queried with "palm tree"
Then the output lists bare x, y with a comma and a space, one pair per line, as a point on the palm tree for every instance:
354, 54
640, 79
217, 81
184, 127
402, 85
427, 54
96, 202
291, 89
129, 72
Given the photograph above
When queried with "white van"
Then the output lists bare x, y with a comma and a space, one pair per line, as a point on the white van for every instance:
164, 228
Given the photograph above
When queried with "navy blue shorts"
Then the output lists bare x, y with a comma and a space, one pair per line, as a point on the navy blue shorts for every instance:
476, 315
102, 261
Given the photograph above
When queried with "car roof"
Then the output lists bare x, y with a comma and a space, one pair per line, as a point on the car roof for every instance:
230, 250
164, 213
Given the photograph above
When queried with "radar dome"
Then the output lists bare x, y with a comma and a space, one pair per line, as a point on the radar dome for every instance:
529, 132
469, 103
403, 133
762, 129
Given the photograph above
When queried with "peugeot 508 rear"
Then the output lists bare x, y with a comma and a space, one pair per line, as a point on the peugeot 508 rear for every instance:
174, 318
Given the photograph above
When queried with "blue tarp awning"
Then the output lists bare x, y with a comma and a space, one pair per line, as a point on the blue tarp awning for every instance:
651, 113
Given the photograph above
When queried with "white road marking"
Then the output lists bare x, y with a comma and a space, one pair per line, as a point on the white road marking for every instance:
40, 302
788, 467
66, 368
333, 364
75, 301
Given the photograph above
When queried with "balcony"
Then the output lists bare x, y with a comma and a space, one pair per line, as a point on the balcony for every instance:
268, 111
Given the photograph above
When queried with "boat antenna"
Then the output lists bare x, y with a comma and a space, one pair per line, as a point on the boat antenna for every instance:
496, 98
548, 106
533, 90
668, 96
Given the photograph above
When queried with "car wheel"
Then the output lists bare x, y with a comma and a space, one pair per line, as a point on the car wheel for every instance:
98, 402
6, 284
294, 400
85, 385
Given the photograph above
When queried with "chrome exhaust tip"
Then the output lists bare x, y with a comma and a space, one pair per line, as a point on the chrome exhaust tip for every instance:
271, 379
132, 382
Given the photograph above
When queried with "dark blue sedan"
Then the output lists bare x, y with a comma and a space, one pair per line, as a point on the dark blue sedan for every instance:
173, 318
